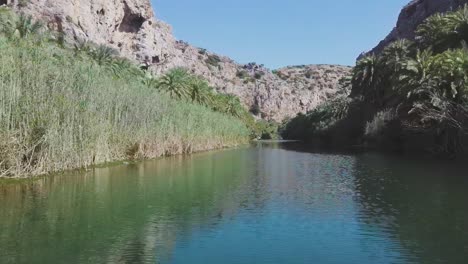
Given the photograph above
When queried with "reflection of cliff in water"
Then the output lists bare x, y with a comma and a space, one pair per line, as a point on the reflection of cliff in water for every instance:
422, 203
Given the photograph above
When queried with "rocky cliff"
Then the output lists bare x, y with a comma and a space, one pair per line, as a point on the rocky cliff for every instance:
130, 27
413, 15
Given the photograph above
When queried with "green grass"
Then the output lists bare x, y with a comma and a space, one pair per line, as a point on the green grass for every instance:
60, 111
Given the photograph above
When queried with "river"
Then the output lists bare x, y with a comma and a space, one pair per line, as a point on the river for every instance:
266, 203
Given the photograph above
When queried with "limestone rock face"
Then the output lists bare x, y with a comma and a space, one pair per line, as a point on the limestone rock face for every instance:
413, 15
130, 27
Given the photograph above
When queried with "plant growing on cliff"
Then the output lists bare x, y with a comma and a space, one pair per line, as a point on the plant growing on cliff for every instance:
103, 54
176, 83
367, 77
213, 60
21, 26
444, 31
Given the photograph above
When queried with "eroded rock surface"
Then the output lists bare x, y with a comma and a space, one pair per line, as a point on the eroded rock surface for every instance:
130, 27
413, 15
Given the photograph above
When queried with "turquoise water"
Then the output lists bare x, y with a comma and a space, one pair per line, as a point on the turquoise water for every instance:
268, 203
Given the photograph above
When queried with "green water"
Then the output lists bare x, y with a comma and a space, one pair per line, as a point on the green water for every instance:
268, 203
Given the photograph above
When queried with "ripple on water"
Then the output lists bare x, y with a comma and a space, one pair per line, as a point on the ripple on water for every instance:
264, 204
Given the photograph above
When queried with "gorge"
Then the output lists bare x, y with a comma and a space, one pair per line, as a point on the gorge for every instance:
121, 144
130, 27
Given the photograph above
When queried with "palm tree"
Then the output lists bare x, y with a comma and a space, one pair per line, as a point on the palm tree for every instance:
103, 54
458, 22
176, 83
366, 78
433, 31
395, 54
229, 104
201, 92
27, 27
122, 66
415, 76
22, 26
451, 72
444, 31
233, 106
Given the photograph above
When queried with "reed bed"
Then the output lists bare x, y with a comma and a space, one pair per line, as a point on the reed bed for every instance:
59, 111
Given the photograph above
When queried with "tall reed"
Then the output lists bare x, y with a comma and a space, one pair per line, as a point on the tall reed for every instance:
59, 111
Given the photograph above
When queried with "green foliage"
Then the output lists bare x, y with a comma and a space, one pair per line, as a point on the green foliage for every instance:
258, 75
181, 85
63, 109
424, 85
444, 31
176, 83
365, 74
21, 26
213, 60
267, 130
242, 74
317, 121
202, 51
103, 54
23, 3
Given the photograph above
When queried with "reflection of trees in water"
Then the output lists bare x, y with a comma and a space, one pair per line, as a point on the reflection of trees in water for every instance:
422, 203
320, 183
122, 213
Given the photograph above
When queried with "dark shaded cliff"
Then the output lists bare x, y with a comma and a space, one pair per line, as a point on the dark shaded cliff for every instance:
412, 15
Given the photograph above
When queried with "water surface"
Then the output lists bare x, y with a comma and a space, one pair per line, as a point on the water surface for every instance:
268, 203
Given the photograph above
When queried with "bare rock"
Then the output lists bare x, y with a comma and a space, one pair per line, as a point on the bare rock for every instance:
412, 16
131, 27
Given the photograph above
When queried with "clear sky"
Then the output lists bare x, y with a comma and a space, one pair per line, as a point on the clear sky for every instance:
280, 33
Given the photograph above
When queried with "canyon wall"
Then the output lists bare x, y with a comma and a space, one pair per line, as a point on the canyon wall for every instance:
130, 27
412, 15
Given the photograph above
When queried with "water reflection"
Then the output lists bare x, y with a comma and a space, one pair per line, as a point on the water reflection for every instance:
420, 202
269, 203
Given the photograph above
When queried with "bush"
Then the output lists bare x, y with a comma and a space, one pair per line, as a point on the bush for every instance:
258, 75
242, 74
213, 60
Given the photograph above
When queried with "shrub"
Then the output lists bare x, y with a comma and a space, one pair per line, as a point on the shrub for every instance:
213, 60
258, 75
242, 74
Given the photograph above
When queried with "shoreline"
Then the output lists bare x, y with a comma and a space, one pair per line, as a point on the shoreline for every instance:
14, 180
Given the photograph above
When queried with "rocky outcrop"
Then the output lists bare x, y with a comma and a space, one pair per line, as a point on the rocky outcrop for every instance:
130, 27
413, 15
270, 95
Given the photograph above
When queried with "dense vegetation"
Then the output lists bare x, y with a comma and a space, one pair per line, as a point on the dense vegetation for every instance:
64, 108
413, 95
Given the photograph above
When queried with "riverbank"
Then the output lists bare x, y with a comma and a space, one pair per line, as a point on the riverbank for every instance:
62, 109
273, 198
412, 97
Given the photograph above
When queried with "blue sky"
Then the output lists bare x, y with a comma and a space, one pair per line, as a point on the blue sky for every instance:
280, 33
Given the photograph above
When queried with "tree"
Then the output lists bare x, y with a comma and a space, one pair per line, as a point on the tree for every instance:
367, 78
395, 55
444, 31
103, 54
176, 83
200, 91
21, 26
